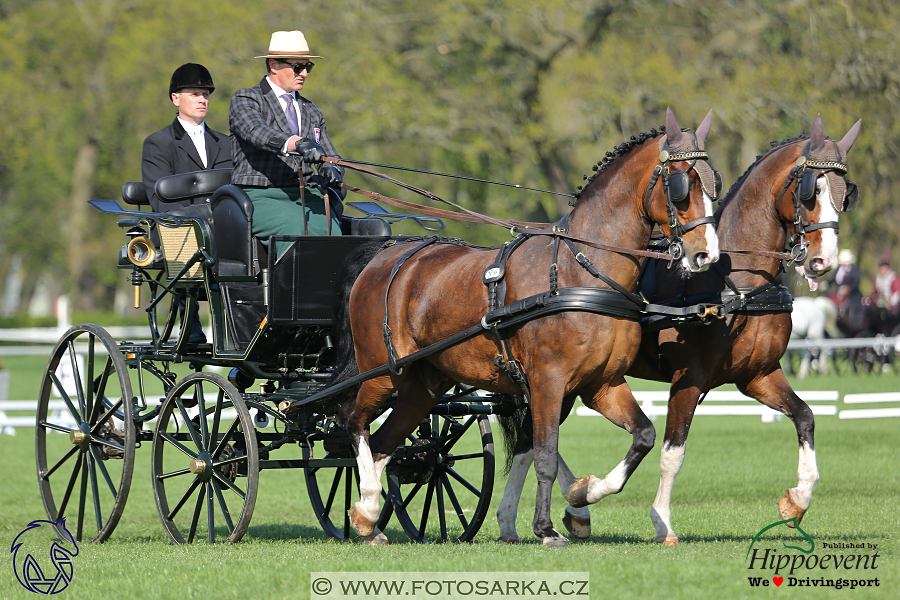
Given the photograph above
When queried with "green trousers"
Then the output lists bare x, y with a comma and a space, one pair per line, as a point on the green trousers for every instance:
278, 211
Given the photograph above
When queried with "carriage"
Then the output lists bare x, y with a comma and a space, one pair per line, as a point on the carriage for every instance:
211, 435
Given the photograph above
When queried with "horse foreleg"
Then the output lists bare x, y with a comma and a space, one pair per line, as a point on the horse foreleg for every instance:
682, 403
774, 391
617, 404
364, 513
577, 520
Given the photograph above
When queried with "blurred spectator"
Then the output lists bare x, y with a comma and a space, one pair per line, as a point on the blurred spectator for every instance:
887, 286
847, 297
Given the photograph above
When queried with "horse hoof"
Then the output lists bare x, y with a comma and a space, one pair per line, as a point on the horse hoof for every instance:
788, 509
577, 495
666, 540
508, 540
363, 526
555, 542
578, 526
377, 539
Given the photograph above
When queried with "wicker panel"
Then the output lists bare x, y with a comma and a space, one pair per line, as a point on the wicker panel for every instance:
179, 245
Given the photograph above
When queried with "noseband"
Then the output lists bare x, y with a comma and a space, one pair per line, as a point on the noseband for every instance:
677, 188
804, 176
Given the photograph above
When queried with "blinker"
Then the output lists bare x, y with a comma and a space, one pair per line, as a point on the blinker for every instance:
679, 186
852, 196
808, 186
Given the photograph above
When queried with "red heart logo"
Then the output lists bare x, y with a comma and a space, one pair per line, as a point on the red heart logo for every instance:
778, 580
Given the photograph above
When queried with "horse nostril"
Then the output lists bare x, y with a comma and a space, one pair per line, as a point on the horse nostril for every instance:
701, 258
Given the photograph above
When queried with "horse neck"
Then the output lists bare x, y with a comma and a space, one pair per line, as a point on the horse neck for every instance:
749, 218
611, 209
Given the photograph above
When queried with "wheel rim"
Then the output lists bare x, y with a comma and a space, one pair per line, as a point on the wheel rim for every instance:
452, 504
332, 491
205, 467
86, 472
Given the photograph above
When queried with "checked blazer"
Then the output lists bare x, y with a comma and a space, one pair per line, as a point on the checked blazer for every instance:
259, 129
171, 151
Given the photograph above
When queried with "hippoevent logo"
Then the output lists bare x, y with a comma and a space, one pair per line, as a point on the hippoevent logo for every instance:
801, 566
35, 570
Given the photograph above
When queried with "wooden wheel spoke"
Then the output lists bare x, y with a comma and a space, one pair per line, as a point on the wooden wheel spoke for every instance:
217, 415
62, 392
335, 483
453, 500
458, 434
227, 483
101, 391
187, 423
462, 480
195, 518
60, 462
103, 471
171, 439
95, 490
224, 508
184, 498
106, 416
201, 404
172, 474
442, 518
224, 441
82, 497
423, 523
72, 479
411, 495
79, 388
210, 513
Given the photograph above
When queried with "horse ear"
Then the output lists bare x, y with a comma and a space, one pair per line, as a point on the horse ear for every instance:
847, 143
817, 137
674, 134
703, 129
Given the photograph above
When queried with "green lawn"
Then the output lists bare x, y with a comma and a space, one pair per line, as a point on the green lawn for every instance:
735, 471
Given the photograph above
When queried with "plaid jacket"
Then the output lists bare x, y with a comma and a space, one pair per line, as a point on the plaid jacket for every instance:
259, 129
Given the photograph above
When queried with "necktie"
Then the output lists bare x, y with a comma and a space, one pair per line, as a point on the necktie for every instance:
291, 114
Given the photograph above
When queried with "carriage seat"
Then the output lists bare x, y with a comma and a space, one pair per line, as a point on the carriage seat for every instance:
134, 193
244, 255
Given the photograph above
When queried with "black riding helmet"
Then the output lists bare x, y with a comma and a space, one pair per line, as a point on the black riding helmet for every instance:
191, 75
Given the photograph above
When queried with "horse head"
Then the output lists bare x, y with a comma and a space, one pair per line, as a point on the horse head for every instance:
682, 205
668, 182
820, 192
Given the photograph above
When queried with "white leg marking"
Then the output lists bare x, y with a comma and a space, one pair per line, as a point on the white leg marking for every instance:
369, 480
512, 493
670, 461
807, 476
611, 484
566, 478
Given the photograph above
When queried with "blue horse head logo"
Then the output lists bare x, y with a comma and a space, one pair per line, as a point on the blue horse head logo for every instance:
29, 544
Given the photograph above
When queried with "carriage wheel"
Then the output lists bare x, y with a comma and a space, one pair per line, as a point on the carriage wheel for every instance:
441, 483
205, 461
332, 492
85, 473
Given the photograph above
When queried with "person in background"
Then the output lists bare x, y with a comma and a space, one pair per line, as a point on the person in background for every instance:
267, 122
187, 144
887, 286
843, 289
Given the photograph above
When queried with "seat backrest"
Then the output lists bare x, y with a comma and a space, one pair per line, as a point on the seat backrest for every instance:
189, 186
236, 250
368, 226
134, 193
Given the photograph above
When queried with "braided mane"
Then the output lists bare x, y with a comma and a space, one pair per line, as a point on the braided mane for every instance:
620, 150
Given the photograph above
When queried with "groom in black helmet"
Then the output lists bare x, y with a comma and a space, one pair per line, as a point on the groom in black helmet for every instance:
187, 144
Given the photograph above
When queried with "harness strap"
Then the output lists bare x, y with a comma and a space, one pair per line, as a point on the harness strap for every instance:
388, 342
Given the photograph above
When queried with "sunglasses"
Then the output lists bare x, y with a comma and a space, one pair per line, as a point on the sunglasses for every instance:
298, 67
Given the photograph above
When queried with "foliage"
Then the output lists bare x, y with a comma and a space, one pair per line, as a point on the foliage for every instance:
529, 93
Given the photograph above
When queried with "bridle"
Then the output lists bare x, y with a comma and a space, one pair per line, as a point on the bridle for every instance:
804, 176
676, 185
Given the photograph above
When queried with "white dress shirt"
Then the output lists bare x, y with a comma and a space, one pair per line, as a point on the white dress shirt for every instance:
197, 134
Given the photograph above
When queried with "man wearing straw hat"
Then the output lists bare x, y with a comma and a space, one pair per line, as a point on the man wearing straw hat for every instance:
271, 119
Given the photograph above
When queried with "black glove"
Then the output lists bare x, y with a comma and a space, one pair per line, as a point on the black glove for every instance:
333, 175
309, 150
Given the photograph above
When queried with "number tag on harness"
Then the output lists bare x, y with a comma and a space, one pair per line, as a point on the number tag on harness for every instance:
493, 273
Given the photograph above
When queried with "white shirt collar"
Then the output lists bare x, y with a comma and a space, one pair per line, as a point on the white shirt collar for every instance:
192, 129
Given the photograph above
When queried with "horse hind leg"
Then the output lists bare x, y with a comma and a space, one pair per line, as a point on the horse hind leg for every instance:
774, 391
576, 520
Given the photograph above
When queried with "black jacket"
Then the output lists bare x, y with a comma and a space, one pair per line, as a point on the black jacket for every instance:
170, 151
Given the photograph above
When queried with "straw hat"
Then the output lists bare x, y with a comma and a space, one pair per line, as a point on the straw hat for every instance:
288, 44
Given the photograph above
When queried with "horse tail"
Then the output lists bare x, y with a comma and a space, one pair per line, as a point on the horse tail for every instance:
514, 416
345, 365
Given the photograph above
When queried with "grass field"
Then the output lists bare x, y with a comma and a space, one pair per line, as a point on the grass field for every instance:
735, 471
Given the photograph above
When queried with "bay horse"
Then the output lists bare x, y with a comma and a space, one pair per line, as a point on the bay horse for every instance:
754, 221
430, 291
